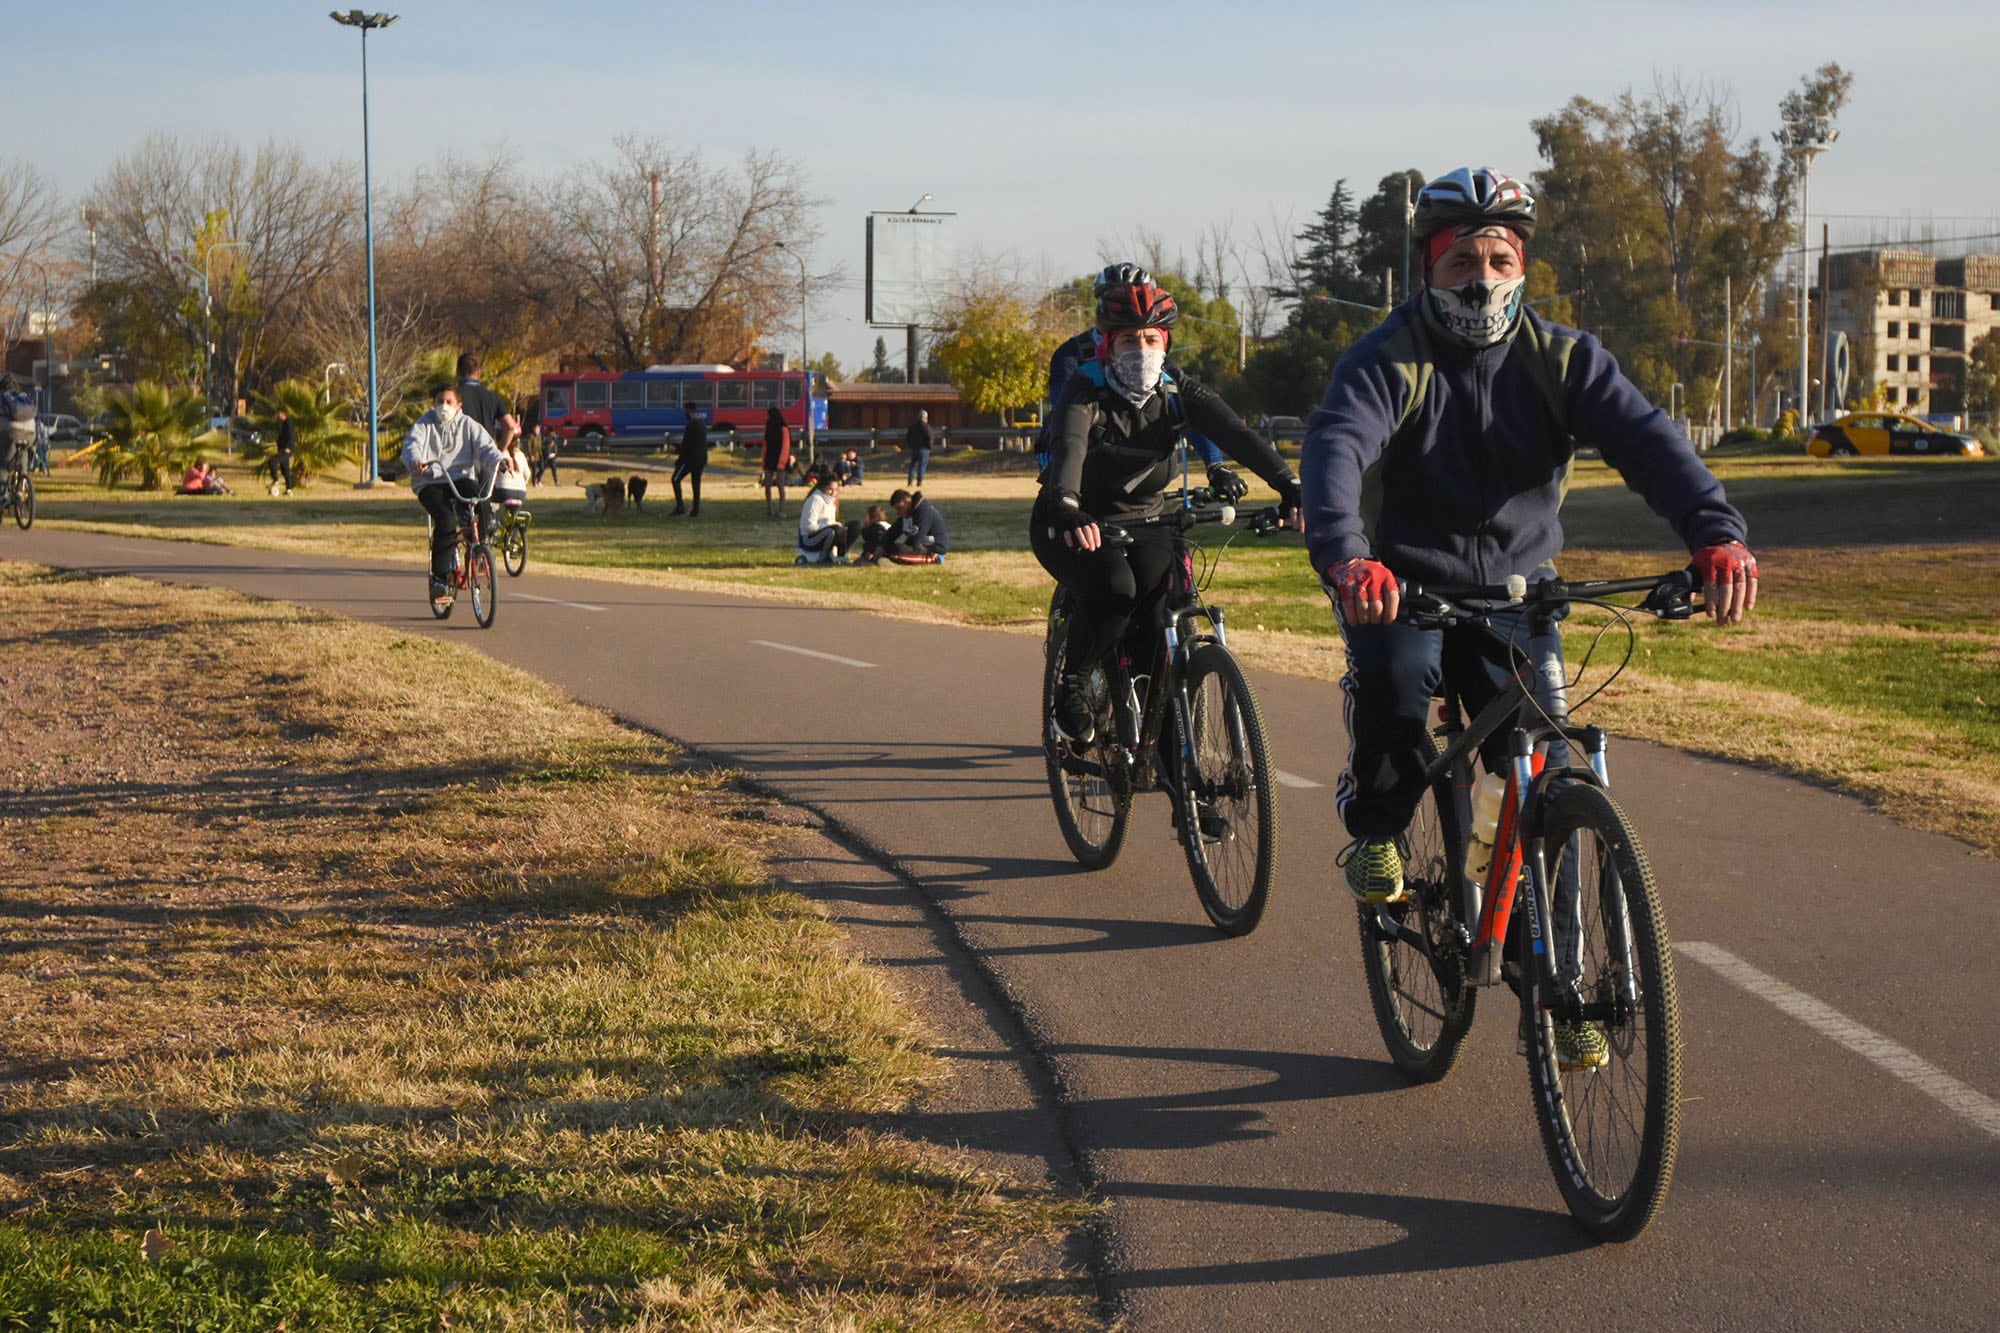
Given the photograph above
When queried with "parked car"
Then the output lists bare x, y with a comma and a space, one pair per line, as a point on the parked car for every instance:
1887, 433
239, 430
65, 430
1282, 428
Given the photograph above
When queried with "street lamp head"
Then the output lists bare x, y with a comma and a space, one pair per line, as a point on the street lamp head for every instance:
355, 18
920, 203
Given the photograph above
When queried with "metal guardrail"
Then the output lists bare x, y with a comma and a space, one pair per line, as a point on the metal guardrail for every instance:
1012, 439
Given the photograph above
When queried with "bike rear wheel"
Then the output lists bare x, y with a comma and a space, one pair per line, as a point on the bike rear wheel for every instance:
23, 501
1412, 952
1233, 847
514, 547
1093, 802
481, 582
1612, 1132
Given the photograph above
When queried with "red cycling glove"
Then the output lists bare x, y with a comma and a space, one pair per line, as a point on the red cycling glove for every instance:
1365, 589
1728, 576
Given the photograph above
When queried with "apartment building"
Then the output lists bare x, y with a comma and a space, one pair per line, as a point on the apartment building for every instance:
1910, 319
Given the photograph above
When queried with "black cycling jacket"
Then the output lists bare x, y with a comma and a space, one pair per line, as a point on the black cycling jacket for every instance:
1117, 459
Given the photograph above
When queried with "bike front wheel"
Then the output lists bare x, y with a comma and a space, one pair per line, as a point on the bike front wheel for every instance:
1413, 952
1093, 801
24, 501
1611, 1131
480, 582
514, 548
1233, 844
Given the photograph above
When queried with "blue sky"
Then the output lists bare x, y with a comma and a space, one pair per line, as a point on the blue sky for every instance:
1050, 129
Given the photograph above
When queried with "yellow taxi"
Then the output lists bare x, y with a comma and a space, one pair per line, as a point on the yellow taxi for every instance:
1887, 433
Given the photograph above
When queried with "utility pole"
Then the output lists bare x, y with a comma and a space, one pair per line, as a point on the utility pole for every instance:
1728, 349
91, 217
1825, 318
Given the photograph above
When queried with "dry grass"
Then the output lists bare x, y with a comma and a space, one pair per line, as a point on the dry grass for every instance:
321, 1010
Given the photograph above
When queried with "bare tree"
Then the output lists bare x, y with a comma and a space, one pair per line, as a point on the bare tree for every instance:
665, 258
31, 218
262, 230
333, 327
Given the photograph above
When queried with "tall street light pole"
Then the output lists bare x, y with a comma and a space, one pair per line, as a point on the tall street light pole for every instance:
355, 18
805, 362
1805, 137
207, 285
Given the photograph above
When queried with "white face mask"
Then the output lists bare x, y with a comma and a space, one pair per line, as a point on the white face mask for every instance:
1478, 314
1138, 371
448, 413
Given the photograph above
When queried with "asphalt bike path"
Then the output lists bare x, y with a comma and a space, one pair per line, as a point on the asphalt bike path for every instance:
1266, 1166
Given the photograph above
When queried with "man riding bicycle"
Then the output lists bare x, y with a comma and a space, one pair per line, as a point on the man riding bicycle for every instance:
1114, 436
1440, 453
444, 444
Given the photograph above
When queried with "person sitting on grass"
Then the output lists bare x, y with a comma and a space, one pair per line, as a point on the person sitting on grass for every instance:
918, 537
823, 538
202, 478
875, 536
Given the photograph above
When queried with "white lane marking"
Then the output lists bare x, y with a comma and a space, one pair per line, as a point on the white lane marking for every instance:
808, 652
553, 601
1904, 1063
1293, 780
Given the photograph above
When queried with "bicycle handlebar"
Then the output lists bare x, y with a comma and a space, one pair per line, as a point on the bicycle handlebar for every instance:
1669, 596
452, 481
1262, 522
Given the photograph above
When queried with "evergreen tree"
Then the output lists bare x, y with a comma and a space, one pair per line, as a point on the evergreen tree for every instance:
879, 370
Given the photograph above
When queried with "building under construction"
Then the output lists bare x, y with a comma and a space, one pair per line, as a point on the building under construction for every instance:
1910, 319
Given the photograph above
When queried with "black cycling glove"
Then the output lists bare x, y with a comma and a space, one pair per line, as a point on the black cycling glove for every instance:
1228, 487
1064, 513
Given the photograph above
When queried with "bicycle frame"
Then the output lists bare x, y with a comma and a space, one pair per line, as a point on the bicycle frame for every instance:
1518, 848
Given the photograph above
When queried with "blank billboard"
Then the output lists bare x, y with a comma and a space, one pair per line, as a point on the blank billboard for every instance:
912, 266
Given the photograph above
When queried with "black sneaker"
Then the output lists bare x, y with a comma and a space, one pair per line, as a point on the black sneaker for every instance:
1072, 712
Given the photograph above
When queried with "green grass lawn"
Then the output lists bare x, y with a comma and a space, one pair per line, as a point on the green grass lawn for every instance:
1907, 550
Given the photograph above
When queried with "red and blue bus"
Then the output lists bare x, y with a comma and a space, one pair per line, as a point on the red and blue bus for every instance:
592, 406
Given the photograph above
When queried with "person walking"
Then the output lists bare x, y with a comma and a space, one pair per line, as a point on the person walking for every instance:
281, 461
917, 443
777, 461
689, 462
483, 405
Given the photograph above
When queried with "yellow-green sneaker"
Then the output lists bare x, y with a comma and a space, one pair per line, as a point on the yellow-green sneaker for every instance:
1580, 1046
1374, 870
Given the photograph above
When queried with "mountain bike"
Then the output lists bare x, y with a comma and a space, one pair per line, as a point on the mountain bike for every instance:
511, 536
472, 561
20, 497
1591, 946
1183, 721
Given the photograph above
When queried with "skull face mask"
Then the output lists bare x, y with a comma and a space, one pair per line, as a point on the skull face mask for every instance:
1478, 314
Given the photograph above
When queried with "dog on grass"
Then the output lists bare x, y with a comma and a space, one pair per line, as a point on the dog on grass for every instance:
593, 496
614, 496
635, 491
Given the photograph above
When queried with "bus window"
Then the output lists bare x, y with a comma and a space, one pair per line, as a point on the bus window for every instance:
555, 402
698, 393
791, 393
590, 395
732, 394
626, 395
763, 393
662, 393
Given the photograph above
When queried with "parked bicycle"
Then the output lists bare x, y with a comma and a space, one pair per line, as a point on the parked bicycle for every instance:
20, 497
1591, 946
472, 561
1182, 721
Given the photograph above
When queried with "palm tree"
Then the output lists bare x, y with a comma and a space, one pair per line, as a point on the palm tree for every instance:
324, 439
152, 433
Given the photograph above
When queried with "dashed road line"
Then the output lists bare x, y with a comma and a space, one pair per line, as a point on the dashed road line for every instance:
552, 601
1293, 780
1865, 1042
809, 652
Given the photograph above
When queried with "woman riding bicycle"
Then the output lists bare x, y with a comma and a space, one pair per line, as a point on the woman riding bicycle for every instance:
1115, 433
444, 444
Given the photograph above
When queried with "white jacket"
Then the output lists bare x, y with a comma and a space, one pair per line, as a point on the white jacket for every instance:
820, 511
461, 449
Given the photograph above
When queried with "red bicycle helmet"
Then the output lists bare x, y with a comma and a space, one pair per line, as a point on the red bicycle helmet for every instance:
1135, 305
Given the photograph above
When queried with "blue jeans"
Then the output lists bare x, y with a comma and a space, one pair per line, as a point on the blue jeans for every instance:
1393, 672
